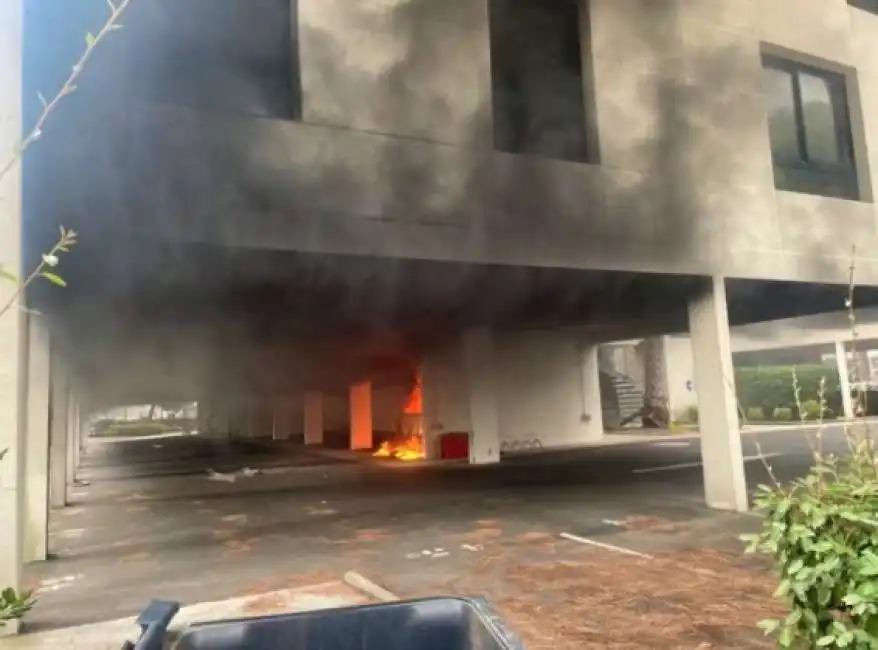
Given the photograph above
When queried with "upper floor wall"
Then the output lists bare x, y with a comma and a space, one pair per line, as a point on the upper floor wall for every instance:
635, 137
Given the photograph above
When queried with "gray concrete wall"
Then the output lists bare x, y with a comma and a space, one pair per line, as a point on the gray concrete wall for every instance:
392, 155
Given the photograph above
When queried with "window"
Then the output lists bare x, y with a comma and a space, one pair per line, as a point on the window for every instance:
220, 55
865, 5
538, 88
809, 128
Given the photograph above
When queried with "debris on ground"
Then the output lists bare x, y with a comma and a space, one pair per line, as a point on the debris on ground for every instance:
218, 476
231, 477
591, 598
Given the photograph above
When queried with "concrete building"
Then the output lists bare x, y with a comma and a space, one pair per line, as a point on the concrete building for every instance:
296, 202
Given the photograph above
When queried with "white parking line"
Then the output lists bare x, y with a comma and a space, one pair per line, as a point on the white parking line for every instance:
667, 468
606, 547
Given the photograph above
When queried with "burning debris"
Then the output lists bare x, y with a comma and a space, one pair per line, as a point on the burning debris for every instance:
406, 449
408, 444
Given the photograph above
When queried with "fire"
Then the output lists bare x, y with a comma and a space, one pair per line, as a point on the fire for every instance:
406, 449
407, 446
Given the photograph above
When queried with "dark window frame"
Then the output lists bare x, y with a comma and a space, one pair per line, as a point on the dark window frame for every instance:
506, 101
844, 171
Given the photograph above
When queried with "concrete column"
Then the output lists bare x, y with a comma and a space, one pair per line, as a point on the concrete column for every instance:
77, 437
844, 379
725, 484
12, 350
71, 438
36, 534
313, 418
484, 413
58, 437
250, 418
592, 416
431, 425
274, 407
361, 415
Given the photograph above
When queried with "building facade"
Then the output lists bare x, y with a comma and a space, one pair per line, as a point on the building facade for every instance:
724, 139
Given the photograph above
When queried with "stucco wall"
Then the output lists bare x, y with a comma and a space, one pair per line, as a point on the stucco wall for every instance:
541, 388
540, 384
680, 374
393, 158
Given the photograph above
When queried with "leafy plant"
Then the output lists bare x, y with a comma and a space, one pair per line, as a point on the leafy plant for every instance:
769, 387
782, 413
755, 413
822, 533
14, 604
812, 409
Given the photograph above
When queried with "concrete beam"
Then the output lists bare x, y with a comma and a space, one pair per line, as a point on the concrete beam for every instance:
725, 485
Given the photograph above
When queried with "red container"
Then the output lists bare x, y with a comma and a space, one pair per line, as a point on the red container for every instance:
454, 446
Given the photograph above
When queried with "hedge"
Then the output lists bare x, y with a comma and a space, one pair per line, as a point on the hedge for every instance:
769, 390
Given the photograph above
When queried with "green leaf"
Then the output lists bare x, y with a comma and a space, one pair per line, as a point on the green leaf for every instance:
54, 278
796, 566
852, 599
824, 641
768, 625
782, 589
90, 40
6, 274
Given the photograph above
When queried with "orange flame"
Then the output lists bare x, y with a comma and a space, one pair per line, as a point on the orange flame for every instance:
406, 447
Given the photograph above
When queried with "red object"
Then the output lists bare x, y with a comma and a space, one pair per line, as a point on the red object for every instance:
454, 446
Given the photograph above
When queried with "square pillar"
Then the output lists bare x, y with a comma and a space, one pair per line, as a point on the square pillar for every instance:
431, 423
250, 418
725, 485
484, 413
313, 418
361, 415
36, 534
72, 437
844, 379
77, 437
12, 321
58, 437
593, 414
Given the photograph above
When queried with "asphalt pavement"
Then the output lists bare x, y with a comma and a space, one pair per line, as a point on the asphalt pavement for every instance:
128, 537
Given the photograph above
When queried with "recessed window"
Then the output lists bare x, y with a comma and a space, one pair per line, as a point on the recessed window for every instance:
537, 79
865, 5
218, 55
810, 131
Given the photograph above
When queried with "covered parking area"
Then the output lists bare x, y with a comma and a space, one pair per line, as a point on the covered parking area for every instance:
260, 337
258, 328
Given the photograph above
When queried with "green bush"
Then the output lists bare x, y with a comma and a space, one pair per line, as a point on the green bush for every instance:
14, 604
812, 410
822, 534
689, 415
771, 387
755, 414
783, 414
